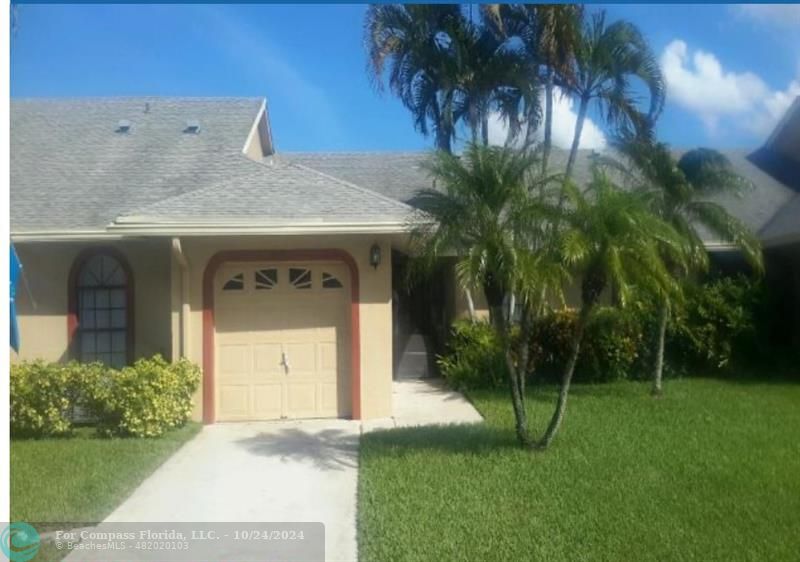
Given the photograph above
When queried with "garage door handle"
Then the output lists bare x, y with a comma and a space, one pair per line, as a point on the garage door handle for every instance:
285, 362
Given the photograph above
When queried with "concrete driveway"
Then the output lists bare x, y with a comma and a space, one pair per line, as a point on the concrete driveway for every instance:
285, 471
259, 472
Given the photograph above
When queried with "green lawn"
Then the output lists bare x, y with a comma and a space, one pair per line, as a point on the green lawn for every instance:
84, 477
710, 472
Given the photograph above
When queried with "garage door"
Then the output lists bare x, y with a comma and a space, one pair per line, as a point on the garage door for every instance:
282, 341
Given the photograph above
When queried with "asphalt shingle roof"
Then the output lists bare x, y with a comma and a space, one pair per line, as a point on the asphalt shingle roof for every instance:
399, 175
395, 174
276, 192
72, 170
785, 225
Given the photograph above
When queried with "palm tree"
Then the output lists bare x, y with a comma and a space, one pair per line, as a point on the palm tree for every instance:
447, 69
411, 40
490, 78
485, 212
546, 35
683, 189
608, 62
611, 238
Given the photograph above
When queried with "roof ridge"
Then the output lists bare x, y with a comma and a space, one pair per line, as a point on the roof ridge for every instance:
351, 185
168, 198
244, 158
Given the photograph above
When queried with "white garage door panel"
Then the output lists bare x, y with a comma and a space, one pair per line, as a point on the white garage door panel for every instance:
328, 397
234, 360
267, 401
282, 346
234, 400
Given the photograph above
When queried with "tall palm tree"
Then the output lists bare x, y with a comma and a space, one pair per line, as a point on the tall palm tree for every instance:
546, 35
489, 78
610, 62
611, 238
684, 187
409, 42
447, 69
485, 212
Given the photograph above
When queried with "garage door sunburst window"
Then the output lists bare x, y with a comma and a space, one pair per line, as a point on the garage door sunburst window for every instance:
266, 279
300, 278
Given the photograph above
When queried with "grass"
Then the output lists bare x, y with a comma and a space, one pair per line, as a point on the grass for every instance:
82, 478
709, 472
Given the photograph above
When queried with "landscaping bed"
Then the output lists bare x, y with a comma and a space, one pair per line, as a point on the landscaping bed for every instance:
709, 472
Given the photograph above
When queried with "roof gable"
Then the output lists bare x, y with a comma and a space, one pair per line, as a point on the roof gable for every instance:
72, 169
270, 196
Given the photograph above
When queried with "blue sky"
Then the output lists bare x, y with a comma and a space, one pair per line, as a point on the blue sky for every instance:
731, 70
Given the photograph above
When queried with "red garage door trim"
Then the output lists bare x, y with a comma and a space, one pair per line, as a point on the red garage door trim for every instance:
213, 266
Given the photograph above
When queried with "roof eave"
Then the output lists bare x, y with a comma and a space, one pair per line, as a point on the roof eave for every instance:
63, 236
142, 226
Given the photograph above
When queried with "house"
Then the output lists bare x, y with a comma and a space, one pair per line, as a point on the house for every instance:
172, 226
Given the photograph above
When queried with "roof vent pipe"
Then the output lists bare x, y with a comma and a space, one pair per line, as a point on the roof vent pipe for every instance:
192, 126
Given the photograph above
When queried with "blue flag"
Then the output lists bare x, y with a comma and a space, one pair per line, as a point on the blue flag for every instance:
15, 270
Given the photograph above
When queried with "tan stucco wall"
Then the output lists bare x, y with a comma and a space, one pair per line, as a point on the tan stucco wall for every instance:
43, 328
158, 300
375, 304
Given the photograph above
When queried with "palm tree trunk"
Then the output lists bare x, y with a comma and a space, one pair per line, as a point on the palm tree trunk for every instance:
495, 299
485, 129
548, 119
523, 351
573, 154
576, 140
470, 304
518, 401
442, 132
569, 370
663, 317
443, 141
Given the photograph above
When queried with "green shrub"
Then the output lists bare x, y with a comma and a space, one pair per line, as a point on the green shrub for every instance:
715, 328
550, 343
609, 350
474, 357
611, 345
143, 400
717, 325
42, 396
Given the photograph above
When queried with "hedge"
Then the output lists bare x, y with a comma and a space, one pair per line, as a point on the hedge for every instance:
715, 330
143, 400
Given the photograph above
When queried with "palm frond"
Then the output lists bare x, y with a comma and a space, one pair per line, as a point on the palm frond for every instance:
728, 228
710, 171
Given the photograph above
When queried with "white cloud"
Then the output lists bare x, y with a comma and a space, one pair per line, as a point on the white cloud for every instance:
778, 15
698, 82
564, 118
775, 105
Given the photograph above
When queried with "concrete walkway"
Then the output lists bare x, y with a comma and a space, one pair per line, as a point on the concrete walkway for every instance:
282, 471
425, 402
